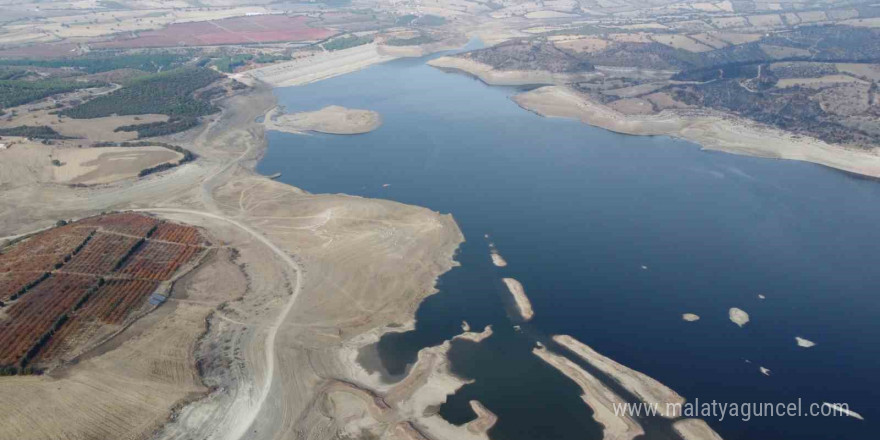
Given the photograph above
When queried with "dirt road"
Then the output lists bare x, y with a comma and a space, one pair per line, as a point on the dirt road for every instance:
242, 428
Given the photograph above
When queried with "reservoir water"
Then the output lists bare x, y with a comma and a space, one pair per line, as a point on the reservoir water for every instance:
613, 237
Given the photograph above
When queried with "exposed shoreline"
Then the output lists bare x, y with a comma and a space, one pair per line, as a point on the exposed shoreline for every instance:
489, 75
426, 384
597, 396
709, 129
646, 388
695, 429
485, 420
474, 336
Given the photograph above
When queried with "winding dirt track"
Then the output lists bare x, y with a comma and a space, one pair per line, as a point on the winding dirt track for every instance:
13, 237
242, 428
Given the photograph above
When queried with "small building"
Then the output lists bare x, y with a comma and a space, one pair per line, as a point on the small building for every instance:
156, 299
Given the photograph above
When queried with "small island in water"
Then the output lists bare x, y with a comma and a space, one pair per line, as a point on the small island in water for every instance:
332, 119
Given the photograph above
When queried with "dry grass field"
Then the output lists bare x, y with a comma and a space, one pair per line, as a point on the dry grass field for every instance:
90, 166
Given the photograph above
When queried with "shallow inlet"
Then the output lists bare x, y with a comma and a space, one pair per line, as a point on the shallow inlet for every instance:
578, 211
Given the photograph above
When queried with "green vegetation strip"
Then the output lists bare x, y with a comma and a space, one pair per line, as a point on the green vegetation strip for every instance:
106, 61
18, 92
347, 42
169, 93
414, 41
32, 131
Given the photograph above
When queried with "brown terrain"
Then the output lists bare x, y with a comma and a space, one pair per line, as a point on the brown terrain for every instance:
154, 286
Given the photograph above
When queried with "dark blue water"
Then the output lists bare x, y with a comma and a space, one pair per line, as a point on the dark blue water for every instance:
577, 211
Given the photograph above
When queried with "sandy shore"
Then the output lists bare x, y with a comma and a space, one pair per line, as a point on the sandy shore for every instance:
695, 429
413, 399
597, 396
523, 305
474, 336
711, 130
489, 75
332, 119
738, 316
485, 419
646, 388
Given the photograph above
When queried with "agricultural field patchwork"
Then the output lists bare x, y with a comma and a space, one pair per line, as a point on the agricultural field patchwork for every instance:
64, 289
238, 30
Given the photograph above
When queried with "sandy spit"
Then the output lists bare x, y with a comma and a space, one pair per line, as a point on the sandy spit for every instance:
485, 419
695, 429
474, 336
519, 296
711, 130
497, 259
738, 316
332, 119
840, 409
646, 388
597, 396
489, 75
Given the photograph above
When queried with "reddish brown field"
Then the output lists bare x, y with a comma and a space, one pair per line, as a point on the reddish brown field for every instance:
34, 314
238, 30
126, 223
24, 262
177, 234
64, 286
157, 260
110, 304
101, 254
